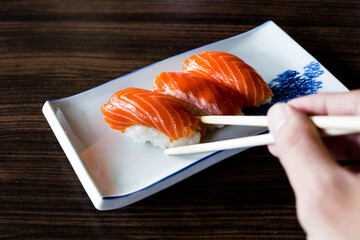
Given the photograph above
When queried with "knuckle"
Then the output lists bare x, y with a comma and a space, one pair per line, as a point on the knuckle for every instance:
324, 196
325, 188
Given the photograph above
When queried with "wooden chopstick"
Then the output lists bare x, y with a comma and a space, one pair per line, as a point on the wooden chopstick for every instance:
328, 126
243, 142
252, 141
338, 122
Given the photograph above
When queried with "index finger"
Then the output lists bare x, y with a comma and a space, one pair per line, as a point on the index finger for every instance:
329, 103
343, 147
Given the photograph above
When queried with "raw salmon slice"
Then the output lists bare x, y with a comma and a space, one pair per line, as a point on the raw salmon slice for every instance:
134, 106
230, 71
205, 97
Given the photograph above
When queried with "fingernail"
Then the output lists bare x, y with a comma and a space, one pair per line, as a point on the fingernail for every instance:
277, 116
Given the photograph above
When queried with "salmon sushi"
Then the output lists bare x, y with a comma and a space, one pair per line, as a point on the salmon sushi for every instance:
230, 71
147, 116
204, 97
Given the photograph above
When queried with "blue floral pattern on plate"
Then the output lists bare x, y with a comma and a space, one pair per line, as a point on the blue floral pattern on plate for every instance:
291, 84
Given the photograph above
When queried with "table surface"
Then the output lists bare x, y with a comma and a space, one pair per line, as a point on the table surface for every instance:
51, 49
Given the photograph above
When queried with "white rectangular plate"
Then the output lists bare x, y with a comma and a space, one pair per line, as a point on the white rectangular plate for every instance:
116, 172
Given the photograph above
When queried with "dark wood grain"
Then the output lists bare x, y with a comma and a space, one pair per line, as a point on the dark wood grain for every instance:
53, 49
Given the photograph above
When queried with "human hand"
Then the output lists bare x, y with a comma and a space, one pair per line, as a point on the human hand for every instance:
327, 195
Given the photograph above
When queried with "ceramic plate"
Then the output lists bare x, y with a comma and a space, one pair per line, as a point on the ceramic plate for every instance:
116, 172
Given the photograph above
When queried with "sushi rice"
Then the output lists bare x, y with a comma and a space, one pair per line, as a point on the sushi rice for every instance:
143, 134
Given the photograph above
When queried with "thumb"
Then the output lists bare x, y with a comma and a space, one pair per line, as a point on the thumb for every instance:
299, 146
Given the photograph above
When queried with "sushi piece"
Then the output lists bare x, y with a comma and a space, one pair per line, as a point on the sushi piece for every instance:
203, 96
230, 71
152, 117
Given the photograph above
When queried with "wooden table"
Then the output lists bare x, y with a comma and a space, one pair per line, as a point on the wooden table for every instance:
51, 49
